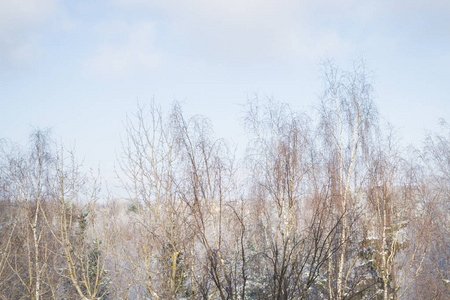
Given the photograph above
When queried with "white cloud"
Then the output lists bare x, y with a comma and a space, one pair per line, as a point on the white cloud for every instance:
258, 30
125, 48
23, 13
245, 31
18, 22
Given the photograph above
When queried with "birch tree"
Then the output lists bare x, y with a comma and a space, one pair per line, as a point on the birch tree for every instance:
207, 189
293, 217
29, 178
347, 115
150, 163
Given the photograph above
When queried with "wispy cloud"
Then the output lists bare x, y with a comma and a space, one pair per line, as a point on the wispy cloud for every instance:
124, 48
18, 21
257, 30
246, 31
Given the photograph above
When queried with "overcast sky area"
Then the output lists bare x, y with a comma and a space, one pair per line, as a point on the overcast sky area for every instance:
78, 67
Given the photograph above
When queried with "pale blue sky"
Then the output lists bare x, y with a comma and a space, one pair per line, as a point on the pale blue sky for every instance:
79, 66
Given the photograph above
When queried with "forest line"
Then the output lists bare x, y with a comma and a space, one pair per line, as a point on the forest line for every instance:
325, 205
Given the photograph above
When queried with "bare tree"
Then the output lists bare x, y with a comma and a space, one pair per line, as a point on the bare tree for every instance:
47, 249
294, 216
29, 177
434, 282
398, 225
150, 163
207, 190
347, 115
83, 253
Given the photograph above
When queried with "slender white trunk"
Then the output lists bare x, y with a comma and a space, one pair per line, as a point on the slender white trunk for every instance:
330, 276
36, 252
343, 248
385, 273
